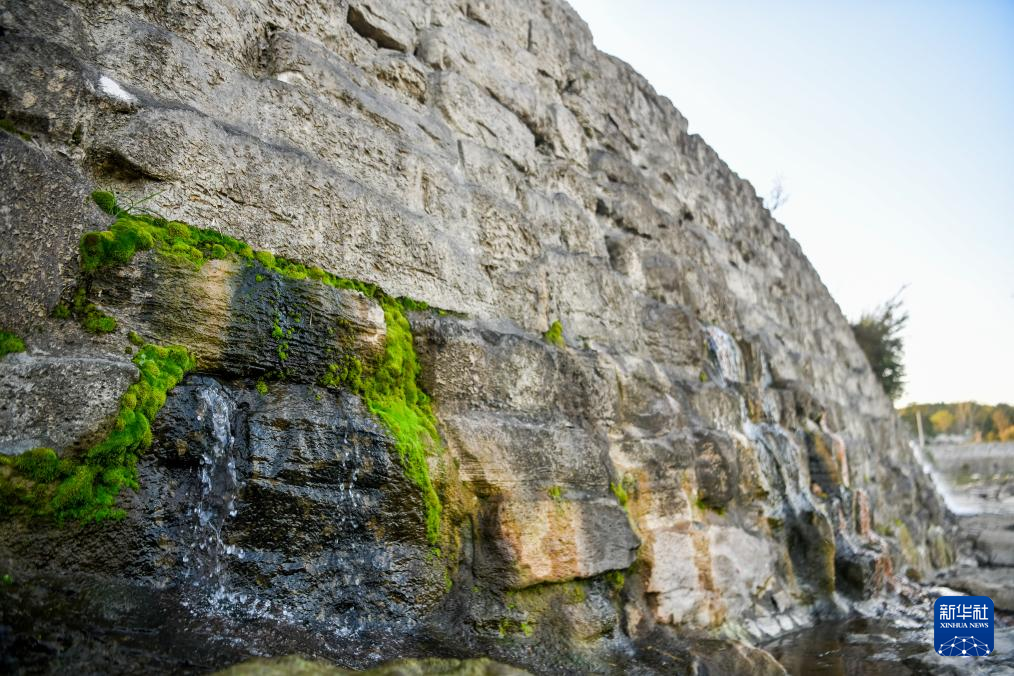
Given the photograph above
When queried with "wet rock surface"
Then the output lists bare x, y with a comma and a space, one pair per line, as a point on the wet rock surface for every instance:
885, 640
238, 317
265, 509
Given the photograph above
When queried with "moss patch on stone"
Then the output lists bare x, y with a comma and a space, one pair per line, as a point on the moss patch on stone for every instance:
131, 233
84, 487
10, 343
91, 317
554, 335
392, 393
620, 492
389, 387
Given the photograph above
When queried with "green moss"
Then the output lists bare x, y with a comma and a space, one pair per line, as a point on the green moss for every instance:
106, 201
6, 579
92, 318
556, 493
85, 486
392, 393
98, 322
266, 258
262, 387
135, 339
616, 580
281, 336
554, 335
10, 343
389, 387
703, 377
346, 372
508, 626
131, 233
620, 491
178, 230
412, 305
39, 464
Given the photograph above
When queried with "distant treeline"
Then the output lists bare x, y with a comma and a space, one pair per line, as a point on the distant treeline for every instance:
976, 421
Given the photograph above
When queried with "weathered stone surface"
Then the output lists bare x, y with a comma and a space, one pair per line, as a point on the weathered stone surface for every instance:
240, 318
39, 228
383, 22
60, 402
559, 540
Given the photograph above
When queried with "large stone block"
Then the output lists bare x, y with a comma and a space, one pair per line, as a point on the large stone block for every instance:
59, 401
557, 540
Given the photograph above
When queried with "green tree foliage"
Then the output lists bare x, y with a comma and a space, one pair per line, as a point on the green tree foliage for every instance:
879, 335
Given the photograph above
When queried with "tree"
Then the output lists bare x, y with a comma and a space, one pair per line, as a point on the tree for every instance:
879, 335
777, 197
942, 421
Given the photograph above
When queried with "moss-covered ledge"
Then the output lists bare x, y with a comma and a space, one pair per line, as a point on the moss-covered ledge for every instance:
85, 486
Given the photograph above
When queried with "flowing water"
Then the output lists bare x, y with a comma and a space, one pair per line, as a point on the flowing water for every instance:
727, 355
217, 502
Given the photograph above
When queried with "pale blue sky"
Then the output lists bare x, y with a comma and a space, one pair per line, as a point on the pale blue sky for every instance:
891, 124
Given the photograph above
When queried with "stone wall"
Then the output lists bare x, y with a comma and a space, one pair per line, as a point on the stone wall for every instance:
709, 425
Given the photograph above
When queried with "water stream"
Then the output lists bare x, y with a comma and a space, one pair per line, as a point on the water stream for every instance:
727, 355
217, 502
